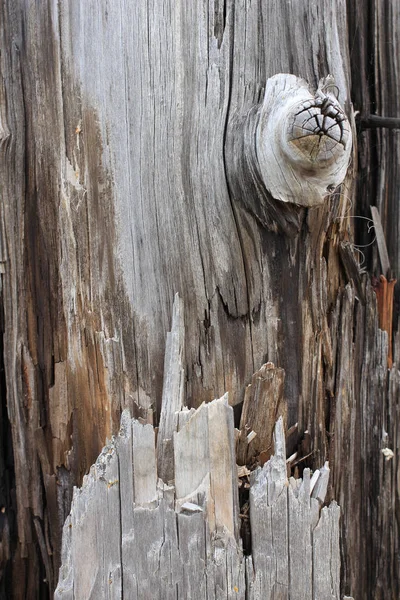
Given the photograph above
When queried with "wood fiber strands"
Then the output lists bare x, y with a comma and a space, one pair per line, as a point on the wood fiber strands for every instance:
129, 535
132, 535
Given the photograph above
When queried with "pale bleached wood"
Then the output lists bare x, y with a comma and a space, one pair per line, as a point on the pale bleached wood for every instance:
269, 525
125, 457
205, 465
300, 547
173, 392
92, 553
166, 549
289, 557
144, 464
182, 417
321, 486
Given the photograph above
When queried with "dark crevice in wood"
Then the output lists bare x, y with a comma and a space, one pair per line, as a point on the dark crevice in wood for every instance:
362, 63
226, 164
244, 508
8, 530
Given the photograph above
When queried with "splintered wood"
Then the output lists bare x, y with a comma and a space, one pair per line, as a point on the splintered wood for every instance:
129, 535
263, 404
137, 535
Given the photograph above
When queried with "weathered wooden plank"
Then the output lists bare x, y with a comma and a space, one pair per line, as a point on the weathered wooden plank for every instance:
223, 471
269, 526
93, 550
125, 458
206, 466
300, 548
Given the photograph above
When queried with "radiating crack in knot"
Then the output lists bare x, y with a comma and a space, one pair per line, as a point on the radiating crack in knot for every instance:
317, 126
303, 140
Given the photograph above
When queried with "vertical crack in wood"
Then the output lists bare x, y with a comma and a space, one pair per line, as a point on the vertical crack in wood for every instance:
227, 163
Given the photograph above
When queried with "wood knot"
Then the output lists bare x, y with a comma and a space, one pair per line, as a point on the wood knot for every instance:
316, 128
303, 140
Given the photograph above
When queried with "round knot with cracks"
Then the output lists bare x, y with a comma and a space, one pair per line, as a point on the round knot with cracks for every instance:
303, 140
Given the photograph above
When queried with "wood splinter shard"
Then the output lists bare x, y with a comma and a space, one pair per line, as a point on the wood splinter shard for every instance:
303, 140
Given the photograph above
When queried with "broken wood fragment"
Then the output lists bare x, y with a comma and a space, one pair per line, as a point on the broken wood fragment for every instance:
381, 242
290, 534
131, 540
263, 403
205, 465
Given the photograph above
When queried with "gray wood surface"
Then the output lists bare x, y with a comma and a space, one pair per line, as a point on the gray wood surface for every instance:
183, 541
128, 174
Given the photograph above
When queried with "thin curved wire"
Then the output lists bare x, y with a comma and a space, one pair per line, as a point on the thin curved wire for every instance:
329, 86
370, 226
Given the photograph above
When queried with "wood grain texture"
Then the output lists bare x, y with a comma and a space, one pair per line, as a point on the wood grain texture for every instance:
127, 176
168, 547
263, 403
175, 548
